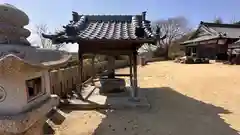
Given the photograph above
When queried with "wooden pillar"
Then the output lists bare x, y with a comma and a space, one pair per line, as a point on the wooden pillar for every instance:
230, 55
187, 51
191, 50
80, 70
93, 69
197, 51
111, 67
135, 82
131, 69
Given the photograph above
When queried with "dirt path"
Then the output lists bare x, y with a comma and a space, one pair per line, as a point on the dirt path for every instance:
185, 99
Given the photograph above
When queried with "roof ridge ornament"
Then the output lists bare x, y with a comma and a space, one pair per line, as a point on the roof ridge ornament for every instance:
71, 29
75, 16
222, 34
144, 16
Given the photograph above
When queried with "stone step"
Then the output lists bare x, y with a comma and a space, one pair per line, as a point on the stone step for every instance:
76, 104
56, 116
55, 119
105, 102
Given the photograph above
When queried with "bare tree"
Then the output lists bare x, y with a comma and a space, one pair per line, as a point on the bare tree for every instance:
218, 20
46, 43
174, 28
60, 45
147, 48
42, 28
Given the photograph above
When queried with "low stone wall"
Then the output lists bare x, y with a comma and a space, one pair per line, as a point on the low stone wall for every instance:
156, 59
63, 81
149, 59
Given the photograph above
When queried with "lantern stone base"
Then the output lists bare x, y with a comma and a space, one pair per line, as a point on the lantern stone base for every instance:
30, 122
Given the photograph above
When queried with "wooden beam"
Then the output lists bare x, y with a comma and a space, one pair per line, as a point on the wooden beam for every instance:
87, 81
114, 41
116, 75
109, 52
123, 75
128, 75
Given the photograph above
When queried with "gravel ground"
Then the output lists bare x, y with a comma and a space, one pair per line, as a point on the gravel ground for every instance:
185, 100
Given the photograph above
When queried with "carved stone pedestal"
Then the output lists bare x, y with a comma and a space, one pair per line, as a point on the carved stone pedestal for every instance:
30, 122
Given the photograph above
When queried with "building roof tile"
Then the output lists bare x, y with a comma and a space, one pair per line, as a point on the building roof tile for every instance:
230, 30
215, 30
113, 27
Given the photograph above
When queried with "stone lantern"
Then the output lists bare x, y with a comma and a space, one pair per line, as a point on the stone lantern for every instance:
25, 96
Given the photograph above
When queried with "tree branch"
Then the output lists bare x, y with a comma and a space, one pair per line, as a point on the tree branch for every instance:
46, 43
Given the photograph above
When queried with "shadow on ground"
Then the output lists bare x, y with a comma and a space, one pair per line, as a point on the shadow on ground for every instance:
171, 113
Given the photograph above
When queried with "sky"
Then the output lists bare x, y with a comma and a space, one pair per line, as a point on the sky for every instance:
56, 13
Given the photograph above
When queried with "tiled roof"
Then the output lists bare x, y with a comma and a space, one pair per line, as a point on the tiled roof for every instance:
214, 30
109, 27
202, 38
113, 27
231, 30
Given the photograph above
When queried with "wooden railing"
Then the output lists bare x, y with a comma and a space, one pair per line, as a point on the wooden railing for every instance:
63, 81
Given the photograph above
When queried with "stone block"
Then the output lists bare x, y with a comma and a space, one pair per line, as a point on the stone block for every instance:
30, 122
112, 85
